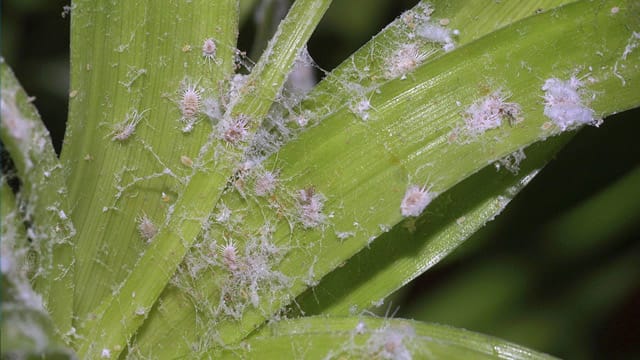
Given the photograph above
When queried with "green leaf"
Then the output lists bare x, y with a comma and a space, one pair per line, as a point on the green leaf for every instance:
365, 337
27, 330
118, 316
134, 61
365, 69
423, 127
415, 245
477, 20
570, 236
505, 307
503, 286
364, 168
43, 198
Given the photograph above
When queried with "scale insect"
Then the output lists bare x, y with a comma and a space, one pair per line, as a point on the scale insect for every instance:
190, 102
124, 129
415, 200
146, 228
209, 49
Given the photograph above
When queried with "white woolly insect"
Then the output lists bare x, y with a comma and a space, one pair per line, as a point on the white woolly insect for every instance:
488, 113
361, 328
224, 214
404, 60
415, 200
361, 108
124, 129
146, 228
190, 102
310, 207
230, 256
302, 119
390, 343
209, 49
234, 129
265, 184
438, 34
563, 104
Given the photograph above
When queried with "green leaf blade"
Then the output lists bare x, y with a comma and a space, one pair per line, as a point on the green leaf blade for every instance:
415, 245
364, 168
331, 338
43, 198
116, 315
420, 133
150, 55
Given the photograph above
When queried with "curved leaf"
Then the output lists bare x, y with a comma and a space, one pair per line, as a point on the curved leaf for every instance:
27, 329
364, 168
43, 198
415, 245
337, 338
120, 169
117, 316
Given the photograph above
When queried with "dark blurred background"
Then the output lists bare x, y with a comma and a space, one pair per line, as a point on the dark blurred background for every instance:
558, 270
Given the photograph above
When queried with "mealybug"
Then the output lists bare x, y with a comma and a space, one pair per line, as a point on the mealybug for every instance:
415, 200
209, 49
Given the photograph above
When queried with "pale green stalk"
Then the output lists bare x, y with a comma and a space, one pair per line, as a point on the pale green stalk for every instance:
366, 337
150, 55
159, 56
43, 196
118, 317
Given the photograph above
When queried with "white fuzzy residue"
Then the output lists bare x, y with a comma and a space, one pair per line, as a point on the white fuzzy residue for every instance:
390, 343
563, 103
511, 162
300, 80
404, 60
488, 113
310, 206
631, 44
438, 34
265, 183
